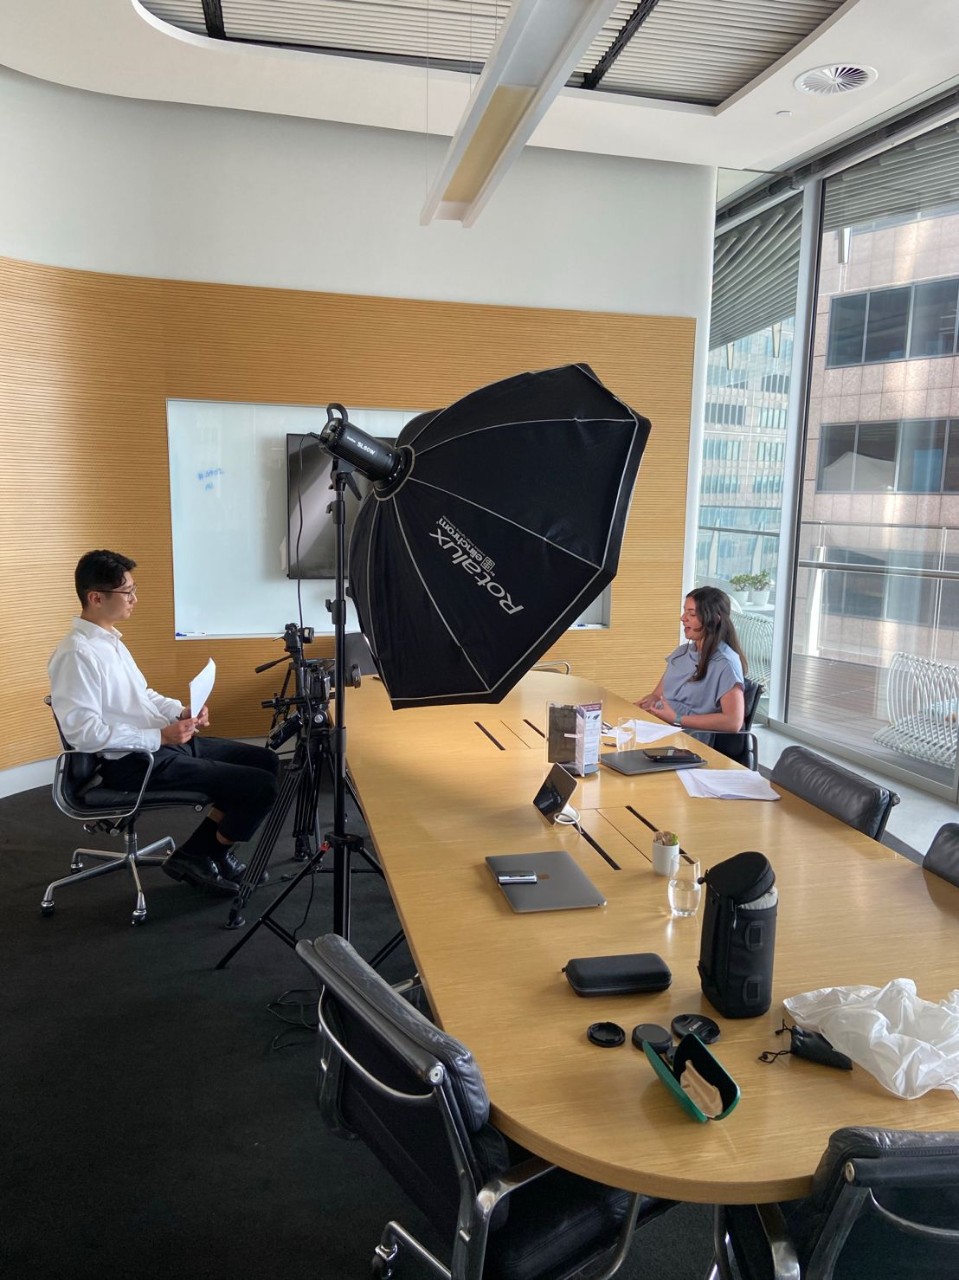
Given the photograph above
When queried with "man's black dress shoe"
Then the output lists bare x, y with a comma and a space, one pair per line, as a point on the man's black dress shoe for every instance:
229, 865
199, 871
231, 868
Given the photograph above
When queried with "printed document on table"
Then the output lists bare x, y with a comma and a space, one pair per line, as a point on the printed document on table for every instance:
646, 732
201, 686
727, 784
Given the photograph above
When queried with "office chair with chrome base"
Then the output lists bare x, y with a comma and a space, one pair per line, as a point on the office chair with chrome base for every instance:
845, 795
78, 791
885, 1204
417, 1099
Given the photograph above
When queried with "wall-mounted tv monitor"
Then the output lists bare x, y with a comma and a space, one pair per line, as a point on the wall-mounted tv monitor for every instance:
311, 540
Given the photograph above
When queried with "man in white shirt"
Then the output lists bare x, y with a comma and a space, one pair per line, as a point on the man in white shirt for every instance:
104, 705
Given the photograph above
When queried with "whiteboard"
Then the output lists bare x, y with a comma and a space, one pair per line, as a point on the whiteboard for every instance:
228, 496
228, 505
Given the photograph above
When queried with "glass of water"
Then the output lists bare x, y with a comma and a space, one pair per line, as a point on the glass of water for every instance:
684, 889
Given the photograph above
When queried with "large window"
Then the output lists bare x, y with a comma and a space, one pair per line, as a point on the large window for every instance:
874, 664
917, 455
913, 321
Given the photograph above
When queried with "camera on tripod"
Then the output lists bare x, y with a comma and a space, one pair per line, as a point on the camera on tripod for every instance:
312, 688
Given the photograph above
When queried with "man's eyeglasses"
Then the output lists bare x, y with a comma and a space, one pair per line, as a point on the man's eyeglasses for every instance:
119, 591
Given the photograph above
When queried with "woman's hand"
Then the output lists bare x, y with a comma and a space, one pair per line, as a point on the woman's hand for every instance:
662, 710
652, 700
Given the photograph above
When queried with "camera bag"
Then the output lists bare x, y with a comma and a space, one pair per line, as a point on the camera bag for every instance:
739, 935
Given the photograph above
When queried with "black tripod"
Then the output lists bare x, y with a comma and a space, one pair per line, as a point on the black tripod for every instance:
318, 744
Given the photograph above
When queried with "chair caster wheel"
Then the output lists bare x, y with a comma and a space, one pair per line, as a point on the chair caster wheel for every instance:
138, 917
46, 908
381, 1264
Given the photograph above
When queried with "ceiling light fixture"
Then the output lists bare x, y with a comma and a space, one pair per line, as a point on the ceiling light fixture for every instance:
538, 47
839, 78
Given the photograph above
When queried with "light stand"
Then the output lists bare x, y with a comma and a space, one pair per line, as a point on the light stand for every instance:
333, 737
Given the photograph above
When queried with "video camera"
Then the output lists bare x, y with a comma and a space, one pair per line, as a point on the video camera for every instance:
312, 689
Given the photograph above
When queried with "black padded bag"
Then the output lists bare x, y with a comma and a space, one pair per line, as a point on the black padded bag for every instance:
738, 939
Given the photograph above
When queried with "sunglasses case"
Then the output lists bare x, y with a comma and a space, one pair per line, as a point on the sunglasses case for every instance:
692, 1050
618, 975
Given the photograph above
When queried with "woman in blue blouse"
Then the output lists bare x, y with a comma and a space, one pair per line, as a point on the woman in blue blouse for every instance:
702, 686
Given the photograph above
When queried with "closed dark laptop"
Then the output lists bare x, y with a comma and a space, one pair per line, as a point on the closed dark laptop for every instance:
560, 884
638, 762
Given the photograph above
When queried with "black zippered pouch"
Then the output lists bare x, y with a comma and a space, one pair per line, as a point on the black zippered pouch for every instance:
618, 975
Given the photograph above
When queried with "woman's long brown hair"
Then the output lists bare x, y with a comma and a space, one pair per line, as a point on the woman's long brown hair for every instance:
712, 608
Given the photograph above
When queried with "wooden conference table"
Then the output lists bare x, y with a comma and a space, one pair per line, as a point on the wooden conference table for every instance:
443, 787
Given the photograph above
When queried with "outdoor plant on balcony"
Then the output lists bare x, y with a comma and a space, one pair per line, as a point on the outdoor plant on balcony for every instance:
759, 581
741, 582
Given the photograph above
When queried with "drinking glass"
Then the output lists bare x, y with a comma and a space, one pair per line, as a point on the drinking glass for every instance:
684, 889
626, 734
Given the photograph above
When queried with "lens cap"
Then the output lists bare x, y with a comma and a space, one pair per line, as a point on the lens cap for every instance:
606, 1034
651, 1033
695, 1024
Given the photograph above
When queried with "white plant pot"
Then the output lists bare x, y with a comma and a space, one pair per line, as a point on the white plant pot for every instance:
739, 596
759, 598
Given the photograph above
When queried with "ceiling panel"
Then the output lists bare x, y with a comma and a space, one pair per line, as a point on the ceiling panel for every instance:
695, 51
702, 51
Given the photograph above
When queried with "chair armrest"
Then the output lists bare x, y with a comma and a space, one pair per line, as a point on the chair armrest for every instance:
58, 791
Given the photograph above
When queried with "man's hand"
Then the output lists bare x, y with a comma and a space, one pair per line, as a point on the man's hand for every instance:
203, 719
178, 732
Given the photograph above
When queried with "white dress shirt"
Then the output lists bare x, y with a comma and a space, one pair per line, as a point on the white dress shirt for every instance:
101, 697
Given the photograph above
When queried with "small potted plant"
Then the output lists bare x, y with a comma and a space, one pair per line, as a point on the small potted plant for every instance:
665, 852
760, 584
740, 587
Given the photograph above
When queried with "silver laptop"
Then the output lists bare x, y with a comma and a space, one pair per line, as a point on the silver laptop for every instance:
543, 881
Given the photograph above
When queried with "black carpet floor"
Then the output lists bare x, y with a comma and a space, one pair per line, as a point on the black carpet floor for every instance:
157, 1114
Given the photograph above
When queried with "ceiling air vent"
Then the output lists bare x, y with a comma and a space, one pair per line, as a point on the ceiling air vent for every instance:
827, 81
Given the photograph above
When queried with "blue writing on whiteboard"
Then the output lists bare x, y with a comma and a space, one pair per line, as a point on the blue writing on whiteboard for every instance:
206, 478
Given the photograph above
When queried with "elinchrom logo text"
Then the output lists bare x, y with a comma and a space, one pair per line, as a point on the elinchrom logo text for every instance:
473, 562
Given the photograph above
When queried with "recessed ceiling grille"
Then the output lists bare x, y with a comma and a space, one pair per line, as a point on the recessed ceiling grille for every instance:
828, 81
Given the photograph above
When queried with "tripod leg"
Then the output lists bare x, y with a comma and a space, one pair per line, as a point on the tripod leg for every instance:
301, 783
267, 841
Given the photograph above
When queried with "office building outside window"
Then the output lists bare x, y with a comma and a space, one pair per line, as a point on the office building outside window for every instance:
875, 655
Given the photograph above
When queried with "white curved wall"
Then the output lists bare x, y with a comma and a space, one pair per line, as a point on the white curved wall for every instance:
147, 188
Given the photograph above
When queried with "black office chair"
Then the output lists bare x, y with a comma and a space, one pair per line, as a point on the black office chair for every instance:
885, 1206
78, 791
417, 1099
942, 856
852, 799
742, 746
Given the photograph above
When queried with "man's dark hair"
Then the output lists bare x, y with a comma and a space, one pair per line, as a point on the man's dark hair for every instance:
100, 571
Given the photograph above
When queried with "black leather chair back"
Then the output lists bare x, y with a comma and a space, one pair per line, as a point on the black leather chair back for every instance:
417, 1099
884, 1203
753, 690
741, 746
402, 1049
942, 856
845, 795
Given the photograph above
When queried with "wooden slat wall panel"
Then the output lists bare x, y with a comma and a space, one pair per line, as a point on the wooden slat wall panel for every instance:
88, 361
